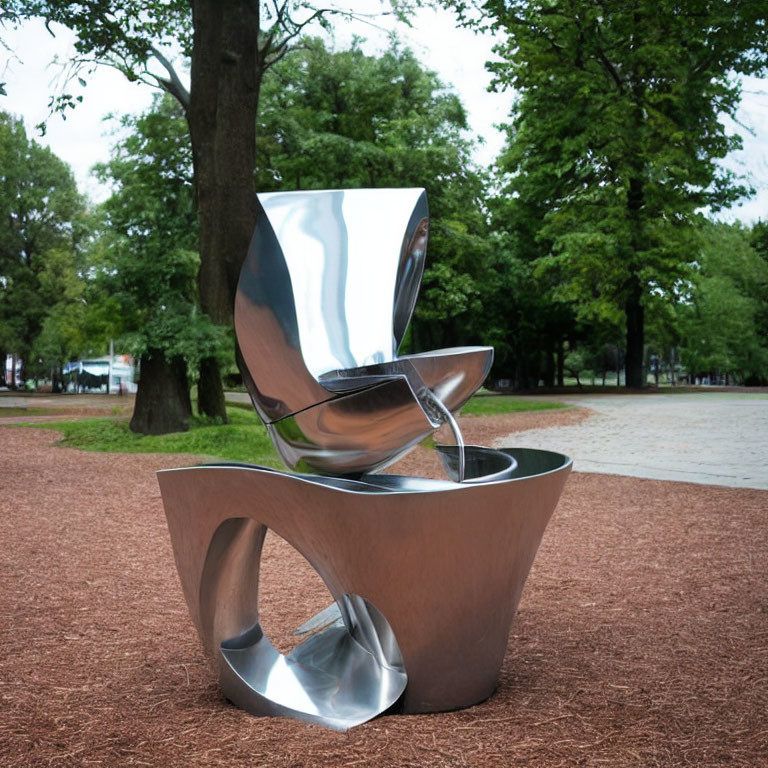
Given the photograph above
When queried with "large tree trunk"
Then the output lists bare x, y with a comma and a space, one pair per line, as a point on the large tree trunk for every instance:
162, 400
633, 308
225, 81
210, 393
635, 314
549, 366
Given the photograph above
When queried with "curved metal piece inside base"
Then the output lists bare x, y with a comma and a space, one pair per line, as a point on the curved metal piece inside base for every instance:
426, 575
337, 677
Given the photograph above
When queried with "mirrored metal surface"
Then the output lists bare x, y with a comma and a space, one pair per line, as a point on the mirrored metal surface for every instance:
325, 295
355, 259
360, 431
341, 676
475, 464
332, 275
426, 575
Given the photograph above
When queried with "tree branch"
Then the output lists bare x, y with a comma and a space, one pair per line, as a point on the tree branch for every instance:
279, 54
172, 84
611, 70
529, 25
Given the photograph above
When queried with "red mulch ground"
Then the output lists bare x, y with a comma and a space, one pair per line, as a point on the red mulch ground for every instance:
642, 636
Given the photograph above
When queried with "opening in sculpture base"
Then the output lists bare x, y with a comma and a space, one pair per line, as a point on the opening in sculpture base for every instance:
336, 678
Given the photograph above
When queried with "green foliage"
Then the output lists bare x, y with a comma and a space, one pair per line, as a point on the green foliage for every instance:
524, 324
615, 138
244, 438
146, 256
341, 119
42, 227
721, 323
82, 317
759, 242
355, 120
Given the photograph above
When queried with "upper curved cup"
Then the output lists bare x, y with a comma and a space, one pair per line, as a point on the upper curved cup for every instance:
329, 283
325, 295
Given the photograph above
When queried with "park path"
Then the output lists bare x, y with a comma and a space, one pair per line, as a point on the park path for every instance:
58, 407
712, 439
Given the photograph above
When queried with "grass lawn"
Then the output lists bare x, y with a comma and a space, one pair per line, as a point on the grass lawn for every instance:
491, 405
243, 439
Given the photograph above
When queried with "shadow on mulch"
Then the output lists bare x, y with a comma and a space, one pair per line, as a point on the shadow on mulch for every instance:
642, 636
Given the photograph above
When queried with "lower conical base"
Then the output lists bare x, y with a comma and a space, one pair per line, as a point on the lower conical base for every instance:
427, 576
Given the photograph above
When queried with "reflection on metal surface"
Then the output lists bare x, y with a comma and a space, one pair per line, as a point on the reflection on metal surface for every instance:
339, 677
425, 574
325, 295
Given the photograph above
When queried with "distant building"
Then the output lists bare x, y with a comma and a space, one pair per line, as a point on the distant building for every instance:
93, 375
10, 374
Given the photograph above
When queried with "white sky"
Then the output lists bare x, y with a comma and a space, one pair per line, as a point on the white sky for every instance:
457, 55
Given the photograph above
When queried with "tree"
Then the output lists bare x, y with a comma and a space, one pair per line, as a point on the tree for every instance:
41, 224
80, 318
759, 242
615, 136
337, 119
231, 45
536, 326
720, 324
147, 262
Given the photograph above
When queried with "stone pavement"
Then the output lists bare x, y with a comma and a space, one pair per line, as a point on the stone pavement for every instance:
712, 439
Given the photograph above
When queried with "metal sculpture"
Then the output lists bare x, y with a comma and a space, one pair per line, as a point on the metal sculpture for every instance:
426, 574
325, 295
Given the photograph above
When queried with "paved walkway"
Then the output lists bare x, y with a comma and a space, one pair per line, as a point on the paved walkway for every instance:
43, 400
713, 439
